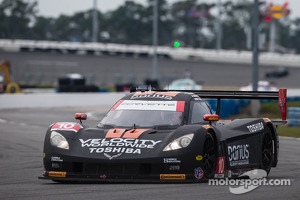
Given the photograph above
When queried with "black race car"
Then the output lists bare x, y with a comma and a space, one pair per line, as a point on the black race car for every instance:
164, 136
277, 73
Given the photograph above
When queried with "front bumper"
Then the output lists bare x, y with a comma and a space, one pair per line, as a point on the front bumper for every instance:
163, 178
162, 169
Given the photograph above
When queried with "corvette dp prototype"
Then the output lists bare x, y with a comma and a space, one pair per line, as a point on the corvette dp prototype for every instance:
164, 136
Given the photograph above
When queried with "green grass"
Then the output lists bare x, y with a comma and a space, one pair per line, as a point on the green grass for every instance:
288, 131
271, 111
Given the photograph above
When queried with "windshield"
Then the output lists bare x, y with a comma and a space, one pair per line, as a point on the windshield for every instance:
141, 118
142, 113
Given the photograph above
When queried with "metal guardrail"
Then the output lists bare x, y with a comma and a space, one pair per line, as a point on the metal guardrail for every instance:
229, 56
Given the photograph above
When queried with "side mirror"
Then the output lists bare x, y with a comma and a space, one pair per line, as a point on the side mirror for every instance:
80, 116
211, 117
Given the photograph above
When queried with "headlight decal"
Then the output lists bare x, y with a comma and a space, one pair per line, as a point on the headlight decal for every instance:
180, 142
58, 140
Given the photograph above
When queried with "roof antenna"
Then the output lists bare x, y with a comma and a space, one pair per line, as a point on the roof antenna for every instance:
134, 128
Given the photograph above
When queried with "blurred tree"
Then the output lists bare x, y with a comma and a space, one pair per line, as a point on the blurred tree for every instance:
66, 28
134, 23
43, 28
188, 21
16, 18
128, 24
236, 17
165, 22
192, 21
293, 39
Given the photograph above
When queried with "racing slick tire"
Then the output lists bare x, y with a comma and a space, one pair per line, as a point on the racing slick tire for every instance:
209, 156
267, 151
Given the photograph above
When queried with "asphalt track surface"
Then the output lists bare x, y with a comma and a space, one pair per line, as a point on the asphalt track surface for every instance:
21, 146
45, 68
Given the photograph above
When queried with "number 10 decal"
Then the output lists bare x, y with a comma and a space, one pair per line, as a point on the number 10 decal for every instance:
66, 126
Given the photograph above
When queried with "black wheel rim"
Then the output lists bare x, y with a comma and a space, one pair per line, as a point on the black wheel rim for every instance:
267, 152
209, 156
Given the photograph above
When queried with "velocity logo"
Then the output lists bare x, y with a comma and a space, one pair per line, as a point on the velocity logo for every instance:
115, 147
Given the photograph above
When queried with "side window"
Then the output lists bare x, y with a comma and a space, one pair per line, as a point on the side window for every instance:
197, 110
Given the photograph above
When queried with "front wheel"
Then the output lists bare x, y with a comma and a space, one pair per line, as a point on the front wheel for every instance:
12, 88
209, 156
267, 151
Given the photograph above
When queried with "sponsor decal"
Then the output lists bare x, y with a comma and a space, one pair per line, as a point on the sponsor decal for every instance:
198, 173
220, 165
199, 157
238, 154
229, 174
55, 165
56, 159
256, 127
197, 99
115, 147
158, 95
149, 105
282, 102
57, 174
171, 160
219, 175
236, 172
172, 177
174, 167
111, 157
66, 126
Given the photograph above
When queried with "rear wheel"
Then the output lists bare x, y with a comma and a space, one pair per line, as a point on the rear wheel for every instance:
209, 156
267, 151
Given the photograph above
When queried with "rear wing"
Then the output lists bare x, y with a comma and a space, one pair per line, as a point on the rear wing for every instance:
279, 95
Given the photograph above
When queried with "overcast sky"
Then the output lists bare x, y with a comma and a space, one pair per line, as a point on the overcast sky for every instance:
53, 8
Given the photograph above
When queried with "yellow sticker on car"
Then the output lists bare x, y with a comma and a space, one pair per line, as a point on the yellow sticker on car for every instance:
57, 174
172, 177
199, 157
